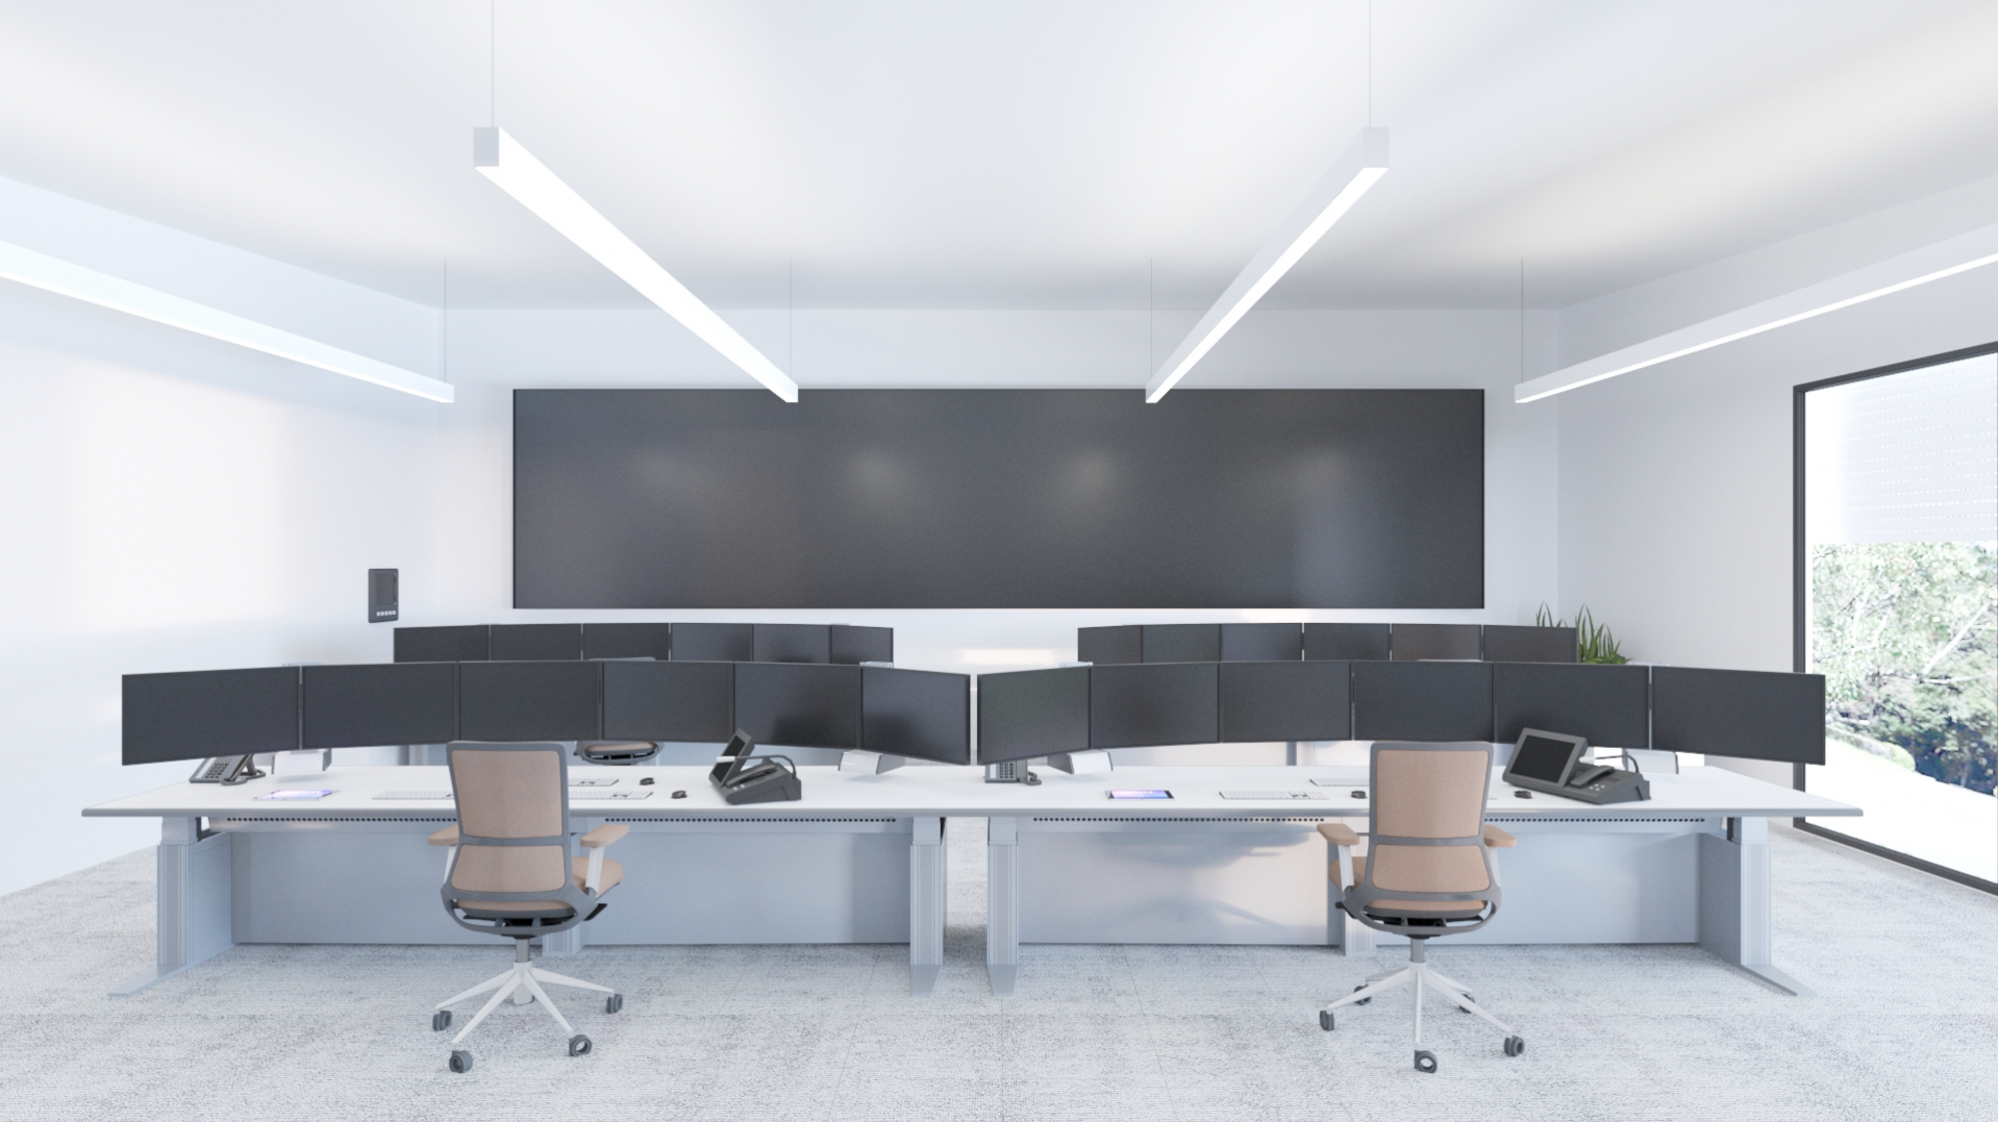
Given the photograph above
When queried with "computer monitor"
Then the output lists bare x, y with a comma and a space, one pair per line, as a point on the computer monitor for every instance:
1118, 644
627, 641
1760, 715
1285, 701
523, 701
1180, 643
1423, 701
1508, 643
922, 714
536, 641
659, 701
804, 705
790, 643
464, 643
1347, 641
378, 704
853, 643
1153, 704
726, 643
1434, 641
1025, 714
191, 715
1605, 704
1261, 642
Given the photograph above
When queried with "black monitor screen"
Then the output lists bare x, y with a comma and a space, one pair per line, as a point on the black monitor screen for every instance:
1181, 643
528, 701
1762, 715
1542, 758
1025, 714
1347, 641
789, 643
189, 715
1434, 641
1285, 701
1605, 705
378, 704
459, 644
656, 701
807, 705
853, 643
921, 714
536, 641
626, 641
726, 643
1246, 642
1506, 643
1153, 704
738, 747
1119, 644
1423, 701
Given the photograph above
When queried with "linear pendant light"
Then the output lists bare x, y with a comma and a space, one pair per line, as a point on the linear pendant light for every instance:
1933, 262
1350, 176
55, 275
501, 158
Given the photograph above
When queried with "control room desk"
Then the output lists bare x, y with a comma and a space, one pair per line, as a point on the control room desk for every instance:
860, 860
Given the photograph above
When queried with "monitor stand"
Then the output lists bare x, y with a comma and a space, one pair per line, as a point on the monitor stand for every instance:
1081, 764
867, 763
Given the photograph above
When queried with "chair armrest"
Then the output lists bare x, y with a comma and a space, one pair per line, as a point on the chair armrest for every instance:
604, 835
445, 837
1497, 838
1340, 834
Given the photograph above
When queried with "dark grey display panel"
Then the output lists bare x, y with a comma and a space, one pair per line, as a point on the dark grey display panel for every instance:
1411, 642
1026, 714
1508, 643
189, 715
536, 641
999, 499
1180, 643
1153, 704
921, 714
463, 643
528, 701
855, 643
1261, 642
725, 643
627, 641
1762, 715
1119, 644
1285, 701
805, 705
789, 643
1605, 705
378, 704
1423, 701
657, 701
1347, 641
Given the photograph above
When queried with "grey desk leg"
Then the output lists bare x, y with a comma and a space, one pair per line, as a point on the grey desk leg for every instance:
192, 902
1003, 904
1735, 921
927, 892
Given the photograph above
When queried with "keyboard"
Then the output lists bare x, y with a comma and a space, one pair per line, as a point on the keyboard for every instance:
576, 794
1272, 795
414, 795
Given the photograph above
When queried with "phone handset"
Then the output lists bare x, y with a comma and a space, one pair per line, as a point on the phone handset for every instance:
1588, 774
225, 770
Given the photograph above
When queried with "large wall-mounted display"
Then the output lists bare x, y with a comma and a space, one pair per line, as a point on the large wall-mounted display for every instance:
999, 499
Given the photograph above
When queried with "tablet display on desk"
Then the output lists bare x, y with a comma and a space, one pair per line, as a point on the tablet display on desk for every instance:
299, 793
1139, 793
1543, 759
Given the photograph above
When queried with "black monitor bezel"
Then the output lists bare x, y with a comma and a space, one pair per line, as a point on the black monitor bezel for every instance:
1577, 747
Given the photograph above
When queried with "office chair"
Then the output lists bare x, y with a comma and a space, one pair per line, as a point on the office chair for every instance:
510, 872
1429, 871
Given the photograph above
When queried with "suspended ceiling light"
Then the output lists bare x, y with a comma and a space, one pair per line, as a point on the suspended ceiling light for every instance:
501, 158
1351, 175
1933, 262
56, 275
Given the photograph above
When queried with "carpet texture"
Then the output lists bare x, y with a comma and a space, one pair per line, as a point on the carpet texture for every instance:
1903, 1025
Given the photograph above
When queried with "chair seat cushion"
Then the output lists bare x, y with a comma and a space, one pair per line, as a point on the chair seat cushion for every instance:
478, 909
1391, 907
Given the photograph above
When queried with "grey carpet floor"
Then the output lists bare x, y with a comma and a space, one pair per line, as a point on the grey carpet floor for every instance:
1903, 1025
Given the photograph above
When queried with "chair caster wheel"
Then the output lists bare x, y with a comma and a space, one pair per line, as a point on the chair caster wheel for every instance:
1514, 1046
579, 1046
1426, 1061
461, 1061
1326, 1020
614, 1004
441, 1021
1367, 1000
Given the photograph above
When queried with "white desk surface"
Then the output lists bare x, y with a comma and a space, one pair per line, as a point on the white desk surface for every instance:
956, 791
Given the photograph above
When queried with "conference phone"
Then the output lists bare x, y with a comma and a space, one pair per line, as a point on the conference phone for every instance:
1553, 763
745, 778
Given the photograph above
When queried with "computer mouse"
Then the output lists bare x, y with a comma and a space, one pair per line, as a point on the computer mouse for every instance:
1523, 794
1357, 794
644, 780
680, 795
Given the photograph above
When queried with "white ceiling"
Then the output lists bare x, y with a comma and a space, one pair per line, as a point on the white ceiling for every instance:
1020, 154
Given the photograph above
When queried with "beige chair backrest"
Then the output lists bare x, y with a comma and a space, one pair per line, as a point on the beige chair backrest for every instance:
513, 816
1426, 815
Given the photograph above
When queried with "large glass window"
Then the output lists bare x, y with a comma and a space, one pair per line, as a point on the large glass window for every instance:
1897, 553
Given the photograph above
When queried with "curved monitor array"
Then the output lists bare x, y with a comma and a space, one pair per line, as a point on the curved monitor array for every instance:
1229, 643
1756, 714
724, 643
